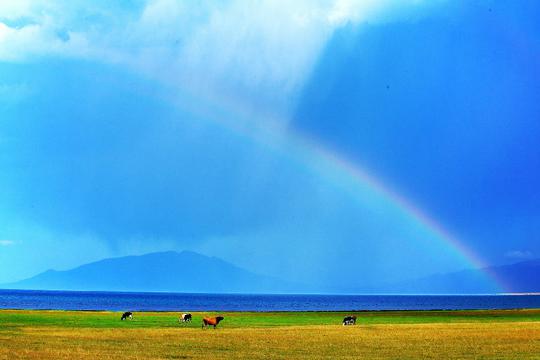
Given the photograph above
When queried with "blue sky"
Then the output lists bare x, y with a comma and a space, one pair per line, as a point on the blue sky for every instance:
135, 126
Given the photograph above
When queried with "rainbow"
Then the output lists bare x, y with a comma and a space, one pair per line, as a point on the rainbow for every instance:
360, 175
274, 134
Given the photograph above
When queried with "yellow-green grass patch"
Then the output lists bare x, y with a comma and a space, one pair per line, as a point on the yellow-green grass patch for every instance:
513, 334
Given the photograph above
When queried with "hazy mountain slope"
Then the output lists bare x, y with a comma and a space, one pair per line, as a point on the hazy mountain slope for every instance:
520, 277
164, 271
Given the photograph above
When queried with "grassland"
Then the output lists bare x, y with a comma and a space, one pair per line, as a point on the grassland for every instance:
511, 334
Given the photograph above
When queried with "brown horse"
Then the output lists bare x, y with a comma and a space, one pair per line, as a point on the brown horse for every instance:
214, 321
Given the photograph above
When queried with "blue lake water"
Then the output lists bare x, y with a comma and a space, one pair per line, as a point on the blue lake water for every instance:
78, 300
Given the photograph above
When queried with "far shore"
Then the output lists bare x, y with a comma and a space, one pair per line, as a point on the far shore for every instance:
273, 311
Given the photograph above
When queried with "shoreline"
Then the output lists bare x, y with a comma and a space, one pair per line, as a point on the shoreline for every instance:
176, 293
257, 303
277, 311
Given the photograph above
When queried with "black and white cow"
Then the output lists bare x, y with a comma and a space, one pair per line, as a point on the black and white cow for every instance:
349, 320
127, 315
185, 318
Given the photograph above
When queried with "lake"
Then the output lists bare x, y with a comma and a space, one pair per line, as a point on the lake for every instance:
116, 301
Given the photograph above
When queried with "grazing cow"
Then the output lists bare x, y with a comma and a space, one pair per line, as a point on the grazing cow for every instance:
349, 320
185, 318
127, 315
214, 321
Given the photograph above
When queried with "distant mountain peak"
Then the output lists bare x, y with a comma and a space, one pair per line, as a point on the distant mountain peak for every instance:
519, 277
171, 271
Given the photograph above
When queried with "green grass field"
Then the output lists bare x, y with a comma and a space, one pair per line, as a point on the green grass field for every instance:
511, 334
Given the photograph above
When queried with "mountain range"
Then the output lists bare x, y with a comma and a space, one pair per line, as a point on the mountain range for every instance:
521, 277
190, 272
161, 272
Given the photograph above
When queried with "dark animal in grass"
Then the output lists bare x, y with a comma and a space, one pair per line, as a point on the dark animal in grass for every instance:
185, 318
213, 321
349, 320
127, 315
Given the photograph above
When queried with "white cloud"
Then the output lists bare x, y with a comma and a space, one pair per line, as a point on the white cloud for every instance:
17, 44
269, 50
6, 242
260, 52
13, 9
519, 254
344, 11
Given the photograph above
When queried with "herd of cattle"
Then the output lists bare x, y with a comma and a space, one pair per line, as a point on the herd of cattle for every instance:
214, 321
